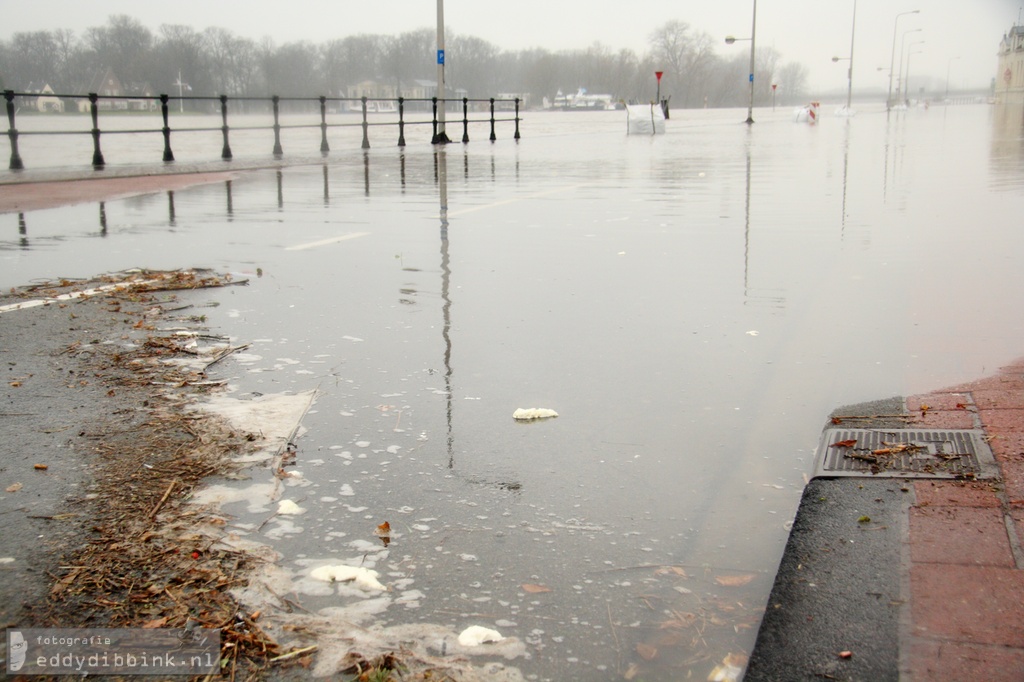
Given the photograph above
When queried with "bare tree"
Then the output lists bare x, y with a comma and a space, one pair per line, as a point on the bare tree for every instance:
123, 45
792, 80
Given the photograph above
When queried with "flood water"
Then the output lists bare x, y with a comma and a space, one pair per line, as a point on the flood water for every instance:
693, 305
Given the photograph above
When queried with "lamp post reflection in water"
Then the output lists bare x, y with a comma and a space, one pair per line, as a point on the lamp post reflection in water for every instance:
441, 164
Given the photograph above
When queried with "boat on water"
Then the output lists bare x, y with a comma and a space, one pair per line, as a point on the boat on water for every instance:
585, 101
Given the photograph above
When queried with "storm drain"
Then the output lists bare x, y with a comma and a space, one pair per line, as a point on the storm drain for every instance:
906, 453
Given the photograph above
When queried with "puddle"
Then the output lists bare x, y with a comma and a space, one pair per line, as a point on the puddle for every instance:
692, 306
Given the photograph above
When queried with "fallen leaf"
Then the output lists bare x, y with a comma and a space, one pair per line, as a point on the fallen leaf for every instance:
40, 467
14, 488
961, 406
844, 443
535, 589
734, 580
846, 654
631, 673
383, 529
15, 384
864, 519
646, 651
154, 624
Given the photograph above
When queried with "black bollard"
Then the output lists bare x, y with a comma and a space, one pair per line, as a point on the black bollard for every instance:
516, 136
12, 133
366, 127
225, 153
324, 147
168, 154
465, 120
97, 155
493, 136
401, 121
433, 137
278, 152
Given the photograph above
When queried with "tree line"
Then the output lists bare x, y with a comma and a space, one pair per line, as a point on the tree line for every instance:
215, 61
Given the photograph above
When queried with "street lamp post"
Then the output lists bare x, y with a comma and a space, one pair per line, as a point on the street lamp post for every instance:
440, 137
906, 88
892, 58
729, 40
849, 72
903, 90
899, 82
949, 64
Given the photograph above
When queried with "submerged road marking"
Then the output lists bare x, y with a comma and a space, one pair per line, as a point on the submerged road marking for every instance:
505, 202
325, 242
73, 295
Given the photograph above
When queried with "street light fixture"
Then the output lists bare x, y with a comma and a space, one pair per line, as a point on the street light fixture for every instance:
729, 40
892, 58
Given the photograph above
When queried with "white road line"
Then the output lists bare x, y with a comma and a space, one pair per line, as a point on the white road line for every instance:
505, 202
325, 242
73, 295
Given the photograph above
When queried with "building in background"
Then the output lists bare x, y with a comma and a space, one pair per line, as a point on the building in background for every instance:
1009, 86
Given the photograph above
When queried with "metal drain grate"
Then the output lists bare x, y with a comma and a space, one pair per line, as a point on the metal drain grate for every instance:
908, 453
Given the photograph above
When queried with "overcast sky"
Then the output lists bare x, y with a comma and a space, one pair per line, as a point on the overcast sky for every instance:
960, 37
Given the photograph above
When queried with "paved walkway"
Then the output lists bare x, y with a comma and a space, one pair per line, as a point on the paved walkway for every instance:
966, 558
889, 579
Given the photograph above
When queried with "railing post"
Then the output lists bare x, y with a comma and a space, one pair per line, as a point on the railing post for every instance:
12, 132
97, 155
401, 121
366, 127
516, 136
324, 147
465, 120
493, 136
433, 137
225, 153
168, 154
278, 152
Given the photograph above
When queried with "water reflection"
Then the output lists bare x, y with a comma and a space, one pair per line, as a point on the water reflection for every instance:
328, 183
441, 168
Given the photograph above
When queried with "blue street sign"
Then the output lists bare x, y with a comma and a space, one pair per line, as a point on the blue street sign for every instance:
440, 58
751, 78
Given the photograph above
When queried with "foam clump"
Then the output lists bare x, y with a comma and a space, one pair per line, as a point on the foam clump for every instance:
363, 578
288, 507
475, 635
531, 413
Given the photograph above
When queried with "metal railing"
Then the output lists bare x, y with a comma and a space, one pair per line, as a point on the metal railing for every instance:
393, 104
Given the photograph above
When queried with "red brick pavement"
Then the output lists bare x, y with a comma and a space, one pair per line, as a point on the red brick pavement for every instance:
966, 573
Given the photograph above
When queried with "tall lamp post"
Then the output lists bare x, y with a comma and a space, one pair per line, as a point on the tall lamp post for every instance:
948, 65
899, 75
440, 137
729, 40
906, 86
892, 58
849, 72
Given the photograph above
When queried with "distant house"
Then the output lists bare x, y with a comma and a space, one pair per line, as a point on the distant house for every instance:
1010, 72
47, 102
116, 96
